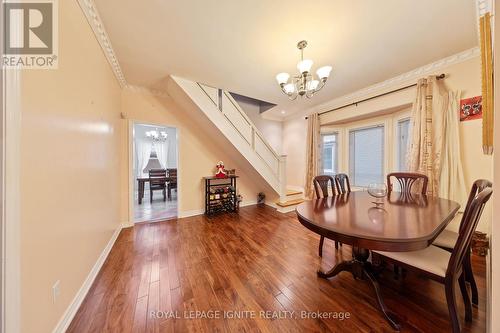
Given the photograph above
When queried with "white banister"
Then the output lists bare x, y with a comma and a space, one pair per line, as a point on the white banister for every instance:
282, 178
225, 112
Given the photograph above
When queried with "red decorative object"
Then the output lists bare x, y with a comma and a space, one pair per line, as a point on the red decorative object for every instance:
221, 173
471, 108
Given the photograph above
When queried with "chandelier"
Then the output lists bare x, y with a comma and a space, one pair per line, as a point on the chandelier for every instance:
303, 84
156, 136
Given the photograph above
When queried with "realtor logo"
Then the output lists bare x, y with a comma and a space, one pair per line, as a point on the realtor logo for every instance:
30, 34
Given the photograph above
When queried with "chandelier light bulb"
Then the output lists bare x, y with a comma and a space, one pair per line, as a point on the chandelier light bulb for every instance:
282, 78
304, 66
289, 88
312, 85
156, 135
324, 72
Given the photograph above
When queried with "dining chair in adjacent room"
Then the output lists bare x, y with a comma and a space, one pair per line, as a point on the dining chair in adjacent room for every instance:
406, 181
172, 182
447, 239
324, 185
342, 183
444, 266
157, 180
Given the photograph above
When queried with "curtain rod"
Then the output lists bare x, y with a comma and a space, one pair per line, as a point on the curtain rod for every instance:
438, 77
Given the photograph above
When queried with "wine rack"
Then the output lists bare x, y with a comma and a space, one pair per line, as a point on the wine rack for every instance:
220, 195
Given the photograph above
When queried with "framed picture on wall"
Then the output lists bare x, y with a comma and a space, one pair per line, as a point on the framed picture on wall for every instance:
471, 108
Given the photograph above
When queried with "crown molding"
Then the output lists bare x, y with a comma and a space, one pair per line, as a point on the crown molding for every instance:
393, 83
146, 91
483, 7
89, 9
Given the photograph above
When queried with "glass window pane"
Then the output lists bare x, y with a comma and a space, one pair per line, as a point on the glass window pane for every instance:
403, 137
329, 144
366, 156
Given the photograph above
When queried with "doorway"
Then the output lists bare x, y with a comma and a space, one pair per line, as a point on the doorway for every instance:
155, 161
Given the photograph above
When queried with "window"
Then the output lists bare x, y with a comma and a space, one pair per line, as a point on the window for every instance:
329, 154
366, 156
403, 137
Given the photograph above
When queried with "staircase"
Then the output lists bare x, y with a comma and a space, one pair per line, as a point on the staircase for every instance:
226, 114
293, 198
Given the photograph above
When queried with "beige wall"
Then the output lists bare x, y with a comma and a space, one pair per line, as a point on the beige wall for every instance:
200, 147
69, 170
464, 76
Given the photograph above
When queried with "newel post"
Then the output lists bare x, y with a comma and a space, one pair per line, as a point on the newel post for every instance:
282, 178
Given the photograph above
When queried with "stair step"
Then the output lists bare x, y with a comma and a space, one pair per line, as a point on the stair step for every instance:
293, 192
290, 203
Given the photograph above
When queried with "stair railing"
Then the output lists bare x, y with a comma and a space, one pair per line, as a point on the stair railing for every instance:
249, 132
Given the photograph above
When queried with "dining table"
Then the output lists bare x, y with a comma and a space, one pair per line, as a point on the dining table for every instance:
398, 222
141, 182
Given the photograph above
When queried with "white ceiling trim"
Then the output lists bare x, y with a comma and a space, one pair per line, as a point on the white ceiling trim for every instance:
89, 9
406, 78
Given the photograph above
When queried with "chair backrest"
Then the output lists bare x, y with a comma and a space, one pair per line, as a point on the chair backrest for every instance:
407, 180
172, 173
468, 225
477, 187
156, 176
342, 183
321, 185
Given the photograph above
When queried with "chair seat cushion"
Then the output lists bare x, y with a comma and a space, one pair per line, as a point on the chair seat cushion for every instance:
431, 259
446, 239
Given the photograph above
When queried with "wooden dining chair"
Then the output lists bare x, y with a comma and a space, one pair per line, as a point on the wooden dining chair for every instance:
172, 182
444, 266
342, 183
406, 181
157, 183
447, 239
323, 185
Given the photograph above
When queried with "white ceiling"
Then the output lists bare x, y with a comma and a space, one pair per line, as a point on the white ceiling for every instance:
241, 45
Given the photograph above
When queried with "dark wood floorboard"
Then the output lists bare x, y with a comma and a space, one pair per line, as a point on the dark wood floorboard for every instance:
259, 260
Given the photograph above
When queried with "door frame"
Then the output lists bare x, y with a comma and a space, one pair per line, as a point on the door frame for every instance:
130, 137
10, 218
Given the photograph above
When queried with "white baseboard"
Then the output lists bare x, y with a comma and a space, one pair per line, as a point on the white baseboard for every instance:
189, 213
248, 203
73, 307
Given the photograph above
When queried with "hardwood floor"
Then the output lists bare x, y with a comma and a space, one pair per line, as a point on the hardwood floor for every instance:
259, 260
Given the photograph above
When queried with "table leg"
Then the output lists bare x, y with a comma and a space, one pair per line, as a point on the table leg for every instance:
362, 269
141, 191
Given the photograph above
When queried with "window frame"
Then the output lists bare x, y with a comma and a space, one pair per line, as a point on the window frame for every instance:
389, 121
397, 121
328, 130
396, 118
374, 124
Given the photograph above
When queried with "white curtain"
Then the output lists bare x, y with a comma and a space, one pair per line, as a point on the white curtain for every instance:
425, 147
452, 181
143, 151
434, 148
162, 153
171, 152
312, 153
